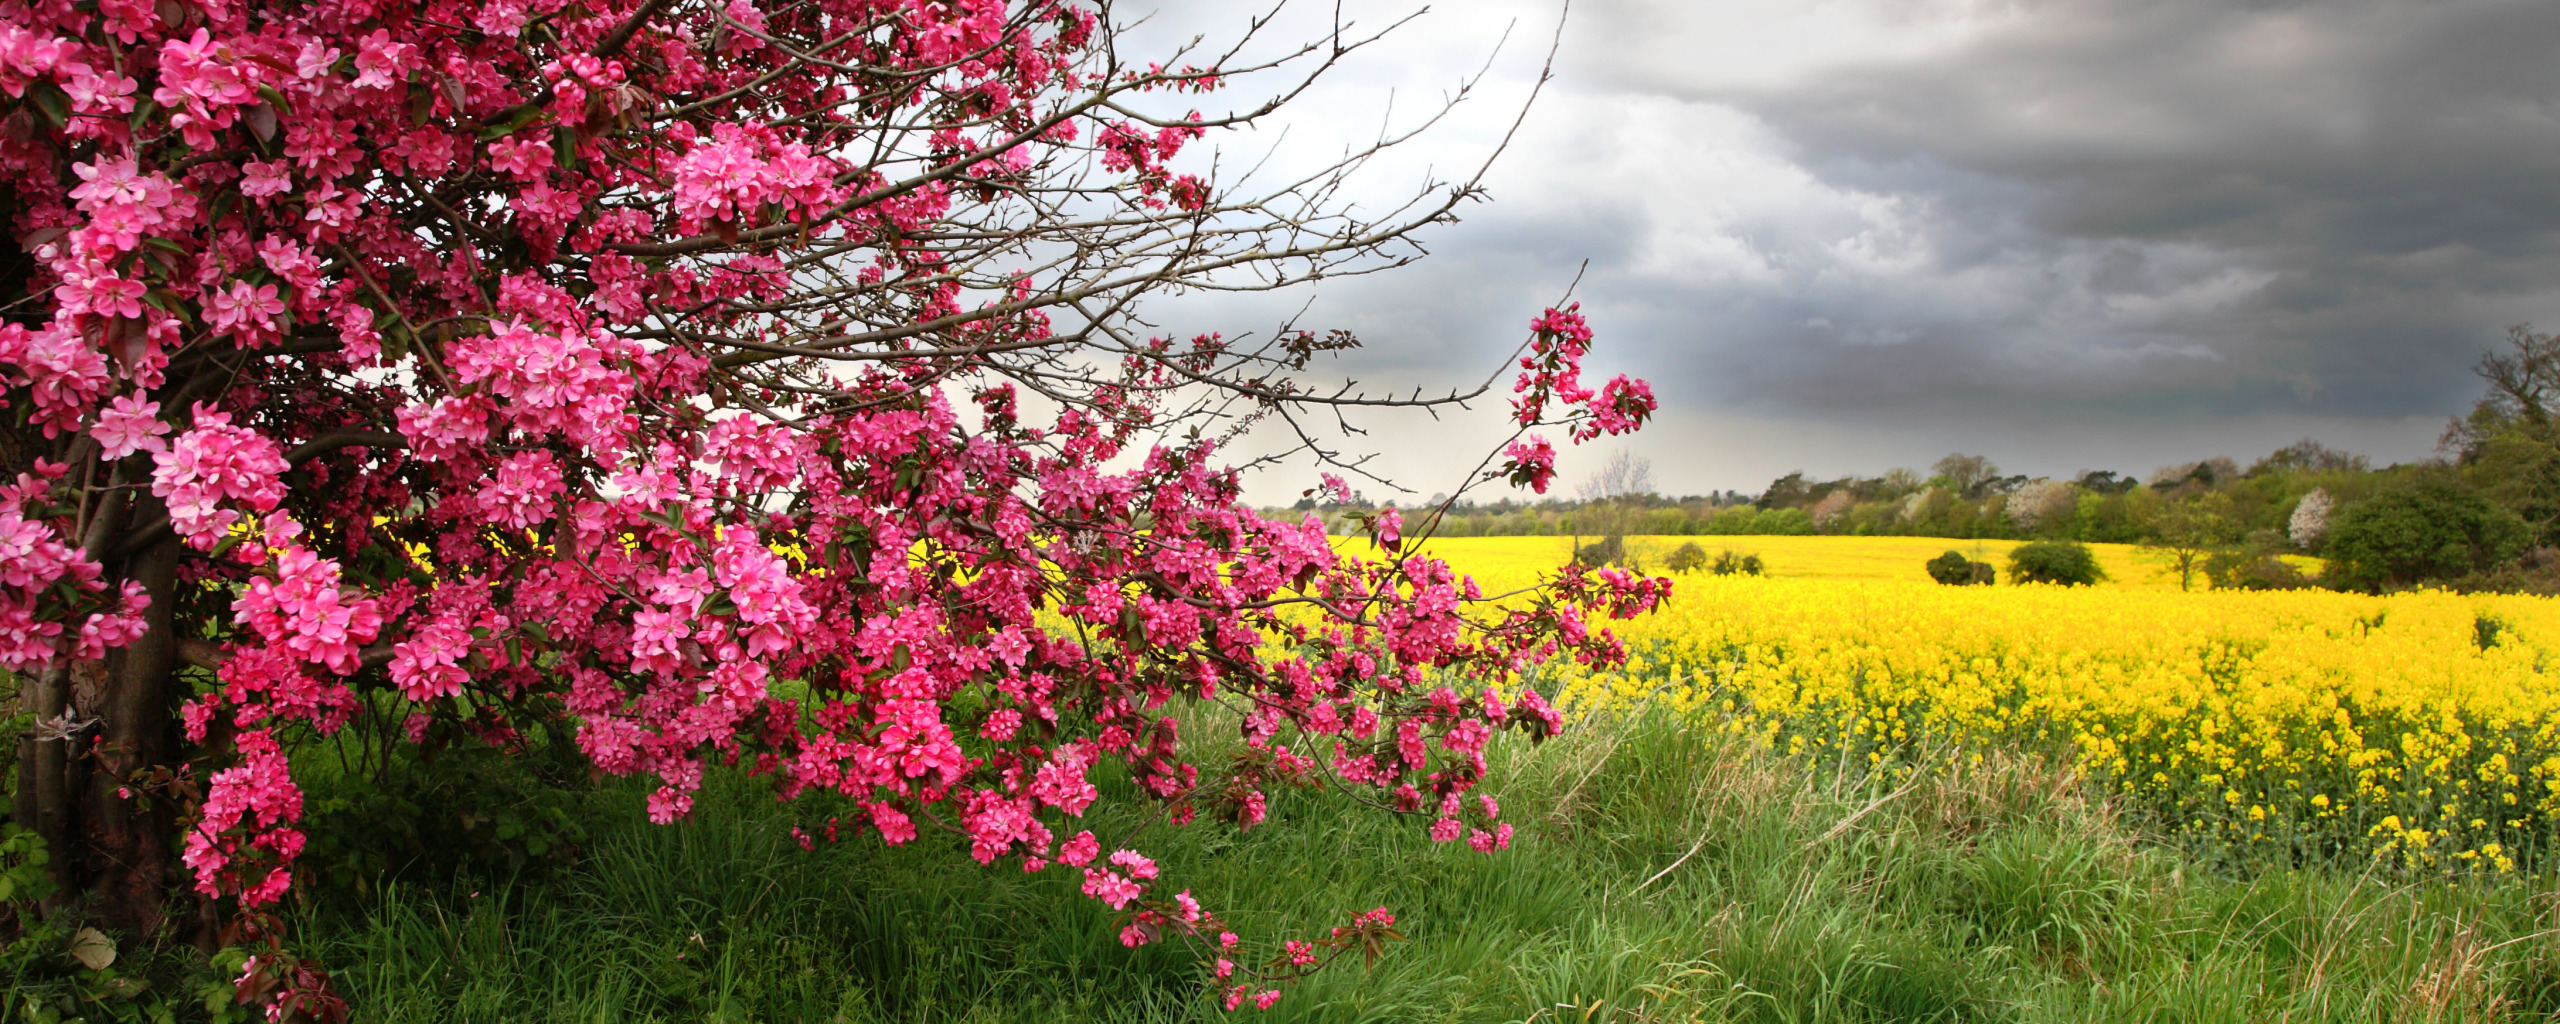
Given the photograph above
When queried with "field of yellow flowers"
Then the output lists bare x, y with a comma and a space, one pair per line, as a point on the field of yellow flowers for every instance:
2423, 729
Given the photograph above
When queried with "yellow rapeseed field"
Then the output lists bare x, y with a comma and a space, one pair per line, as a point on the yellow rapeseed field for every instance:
2423, 728
1859, 558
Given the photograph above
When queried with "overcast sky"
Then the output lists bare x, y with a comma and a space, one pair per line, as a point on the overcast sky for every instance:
1846, 235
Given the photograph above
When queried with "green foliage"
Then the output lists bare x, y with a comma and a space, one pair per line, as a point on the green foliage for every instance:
2055, 561
56, 970
1747, 520
1689, 557
436, 811
1955, 570
2188, 532
2432, 528
2254, 564
1732, 563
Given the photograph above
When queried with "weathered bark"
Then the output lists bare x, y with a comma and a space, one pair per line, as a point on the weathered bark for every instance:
102, 727
43, 803
127, 831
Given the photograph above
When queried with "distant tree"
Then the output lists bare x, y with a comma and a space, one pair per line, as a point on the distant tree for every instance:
1966, 474
2205, 473
2119, 518
2189, 531
2509, 446
2310, 456
1955, 570
2055, 561
1787, 491
2042, 503
2524, 380
1610, 499
2431, 528
1688, 558
2309, 523
2105, 481
1831, 508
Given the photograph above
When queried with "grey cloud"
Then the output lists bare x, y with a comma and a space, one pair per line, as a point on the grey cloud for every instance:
2386, 170
2066, 233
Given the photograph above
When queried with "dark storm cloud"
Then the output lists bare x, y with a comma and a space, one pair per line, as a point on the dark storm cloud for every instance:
1844, 235
2371, 184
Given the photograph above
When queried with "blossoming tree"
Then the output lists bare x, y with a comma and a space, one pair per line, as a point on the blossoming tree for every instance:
748, 382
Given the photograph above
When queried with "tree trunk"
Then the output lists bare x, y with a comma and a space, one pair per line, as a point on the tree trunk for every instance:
102, 727
128, 830
42, 802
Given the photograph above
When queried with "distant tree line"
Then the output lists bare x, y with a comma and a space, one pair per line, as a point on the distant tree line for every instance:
2484, 515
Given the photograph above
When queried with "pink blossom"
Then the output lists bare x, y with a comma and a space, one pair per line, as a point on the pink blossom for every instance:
1138, 866
380, 63
104, 295
213, 465
522, 491
1061, 782
1532, 463
301, 609
445, 427
1080, 850
427, 666
244, 310
266, 178
666, 805
520, 157
130, 424
1112, 888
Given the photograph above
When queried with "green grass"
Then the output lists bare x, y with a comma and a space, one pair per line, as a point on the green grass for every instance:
1659, 875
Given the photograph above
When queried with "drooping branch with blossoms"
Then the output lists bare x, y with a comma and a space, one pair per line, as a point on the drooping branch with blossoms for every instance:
751, 383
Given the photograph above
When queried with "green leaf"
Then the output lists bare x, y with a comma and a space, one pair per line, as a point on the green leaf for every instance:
524, 115
50, 101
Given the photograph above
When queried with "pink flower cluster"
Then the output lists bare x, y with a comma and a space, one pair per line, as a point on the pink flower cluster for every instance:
213, 466
1551, 374
249, 810
731, 178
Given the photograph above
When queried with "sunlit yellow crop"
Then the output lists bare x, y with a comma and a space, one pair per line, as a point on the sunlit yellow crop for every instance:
2423, 728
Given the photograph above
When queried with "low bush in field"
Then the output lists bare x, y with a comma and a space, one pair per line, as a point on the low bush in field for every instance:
1734, 563
1955, 570
2055, 561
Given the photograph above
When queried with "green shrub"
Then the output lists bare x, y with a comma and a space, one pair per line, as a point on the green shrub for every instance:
1732, 563
2254, 565
2430, 529
1955, 570
2069, 563
1688, 558
458, 806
